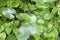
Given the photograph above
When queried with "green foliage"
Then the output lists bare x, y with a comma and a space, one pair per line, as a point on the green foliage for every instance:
2, 36
29, 19
2, 3
11, 37
12, 3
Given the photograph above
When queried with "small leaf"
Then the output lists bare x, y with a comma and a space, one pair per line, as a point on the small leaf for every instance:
59, 11
32, 7
1, 28
15, 24
15, 31
23, 16
8, 13
37, 37
51, 39
54, 10
24, 7
40, 21
3, 35
25, 24
53, 33
47, 16
24, 34
39, 28
33, 19
13, 3
2, 3
8, 30
11, 37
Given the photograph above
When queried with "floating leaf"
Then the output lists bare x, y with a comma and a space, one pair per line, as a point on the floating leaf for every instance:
37, 37
58, 10
25, 24
1, 28
40, 21
3, 35
24, 34
39, 28
54, 10
8, 30
33, 19
15, 31
47, 16
2, 3
8, 13
53, 33
12, 3
23, 16
11, 37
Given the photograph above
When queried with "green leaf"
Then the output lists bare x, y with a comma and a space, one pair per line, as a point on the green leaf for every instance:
37, 37
1, 28
15, 24
1, 38
8, 13
3, 35
2, 3
39, 28
47, 16
33, 19
53, 33
24, 7
11, 37
23, 16
32, 7
50, 24
46, 5
40, 21
8, 30
25, 24
30, 28
12, 3
50, 0
51, 39
24, 34
15, 31
37, 12
59, 11
38, 5
7, 27
45, 12
40, 1
54, 10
